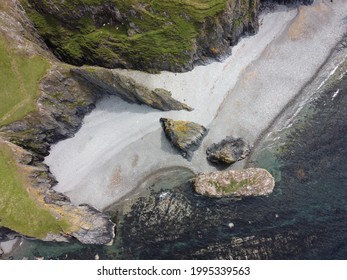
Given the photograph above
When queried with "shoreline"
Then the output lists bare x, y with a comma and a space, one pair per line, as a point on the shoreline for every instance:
298, 101
106, 159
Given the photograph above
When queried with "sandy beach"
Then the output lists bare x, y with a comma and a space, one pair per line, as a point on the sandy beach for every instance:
120, 144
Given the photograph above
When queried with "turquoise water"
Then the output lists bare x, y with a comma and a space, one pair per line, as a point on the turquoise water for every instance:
304, 218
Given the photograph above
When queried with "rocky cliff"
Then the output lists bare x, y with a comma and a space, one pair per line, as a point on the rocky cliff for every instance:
39, 108
146, 35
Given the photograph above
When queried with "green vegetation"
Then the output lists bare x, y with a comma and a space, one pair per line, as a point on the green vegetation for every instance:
18, 210
232, 187
19, 81
144, 34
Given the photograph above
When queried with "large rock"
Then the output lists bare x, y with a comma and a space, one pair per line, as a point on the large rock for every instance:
184, 135
228, 151
130, 90
239, 183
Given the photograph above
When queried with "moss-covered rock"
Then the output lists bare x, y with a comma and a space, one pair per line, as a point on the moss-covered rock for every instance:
184, 135
239, 183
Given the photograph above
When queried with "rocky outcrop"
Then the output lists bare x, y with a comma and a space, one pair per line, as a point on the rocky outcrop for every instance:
145, 36
238, 183
183, 135
85, 223
142, 35
131, 91
284, 245
63, 101
228, 151
217, 34
177, 224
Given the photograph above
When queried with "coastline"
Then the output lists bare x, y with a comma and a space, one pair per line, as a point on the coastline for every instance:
94, 159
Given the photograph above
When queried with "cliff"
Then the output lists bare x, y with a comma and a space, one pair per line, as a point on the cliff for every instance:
148, 35
41, 103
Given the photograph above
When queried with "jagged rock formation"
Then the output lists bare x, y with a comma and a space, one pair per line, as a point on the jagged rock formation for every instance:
183, 135
228, 151
239, 183
131, 91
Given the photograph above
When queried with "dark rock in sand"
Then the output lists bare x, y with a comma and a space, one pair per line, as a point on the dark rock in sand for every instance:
239, 183
184, 135
228, 151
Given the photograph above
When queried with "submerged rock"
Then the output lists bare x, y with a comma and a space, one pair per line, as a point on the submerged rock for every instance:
228, 151
184, 135
239, 183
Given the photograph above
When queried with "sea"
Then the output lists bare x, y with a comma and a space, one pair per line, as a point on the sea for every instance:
305, 217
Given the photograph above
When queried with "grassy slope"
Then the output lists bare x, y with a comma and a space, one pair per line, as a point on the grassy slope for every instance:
18, 210
167, 30
19, 79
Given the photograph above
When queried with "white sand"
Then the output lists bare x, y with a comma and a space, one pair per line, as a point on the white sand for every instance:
119, 143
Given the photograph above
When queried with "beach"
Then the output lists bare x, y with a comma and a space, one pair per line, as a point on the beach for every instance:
121, 144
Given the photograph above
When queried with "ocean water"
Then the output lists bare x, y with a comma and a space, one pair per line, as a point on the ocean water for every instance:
304, 218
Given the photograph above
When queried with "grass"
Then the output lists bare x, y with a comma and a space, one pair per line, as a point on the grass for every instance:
167, 30
232, 187
19, 82
18, 210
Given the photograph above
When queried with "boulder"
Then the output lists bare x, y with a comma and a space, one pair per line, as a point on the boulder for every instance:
228, 151
184, 135
238, 183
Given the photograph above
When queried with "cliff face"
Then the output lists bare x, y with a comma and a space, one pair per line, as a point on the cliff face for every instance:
37, 109
61, 107
147, 35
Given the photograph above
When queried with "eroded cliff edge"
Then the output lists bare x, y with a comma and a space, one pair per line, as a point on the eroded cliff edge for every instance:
146, 35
